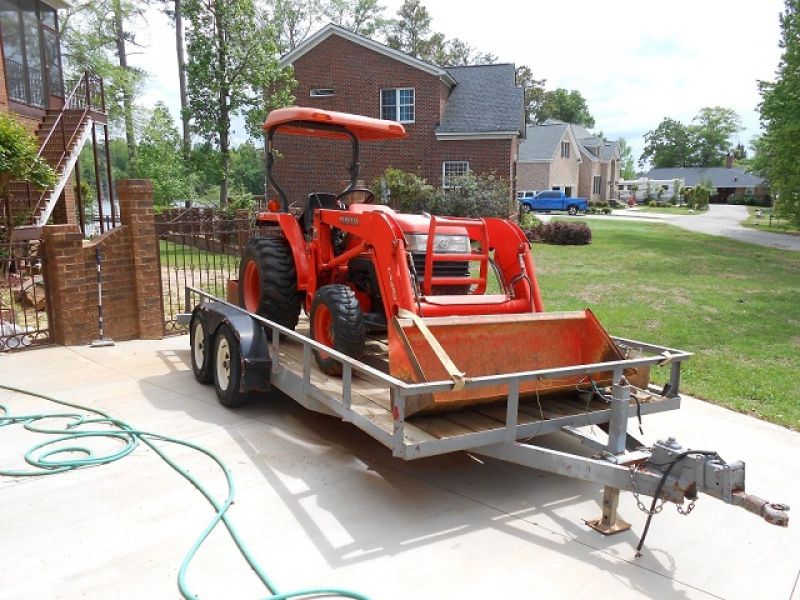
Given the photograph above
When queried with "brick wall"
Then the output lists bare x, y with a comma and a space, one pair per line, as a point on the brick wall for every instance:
357, 75
131, 278
533, 176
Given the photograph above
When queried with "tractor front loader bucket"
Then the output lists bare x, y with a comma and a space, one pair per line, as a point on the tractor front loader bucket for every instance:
494, 345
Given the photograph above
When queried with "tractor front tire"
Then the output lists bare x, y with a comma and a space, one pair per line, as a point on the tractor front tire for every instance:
338, 322
268, 281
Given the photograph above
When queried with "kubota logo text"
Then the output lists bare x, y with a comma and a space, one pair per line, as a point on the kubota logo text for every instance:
348, 220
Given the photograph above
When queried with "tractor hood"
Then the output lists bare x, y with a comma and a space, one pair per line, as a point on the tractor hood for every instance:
410, 224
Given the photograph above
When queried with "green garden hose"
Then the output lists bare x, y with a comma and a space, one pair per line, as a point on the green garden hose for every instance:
45, 459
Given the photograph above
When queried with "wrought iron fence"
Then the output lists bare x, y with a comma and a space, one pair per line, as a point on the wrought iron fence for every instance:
199, 247
24, 316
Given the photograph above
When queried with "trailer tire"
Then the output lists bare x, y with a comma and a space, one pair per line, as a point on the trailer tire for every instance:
200, 344
268, 281
572, 210
227, 368
338, 322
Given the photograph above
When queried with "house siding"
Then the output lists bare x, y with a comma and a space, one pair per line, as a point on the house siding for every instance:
357, 75
558, 172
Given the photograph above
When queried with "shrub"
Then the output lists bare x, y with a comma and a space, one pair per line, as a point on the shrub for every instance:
18, 156
749, 200
408, 192
474, 196
528, 221
561, 233
652, 204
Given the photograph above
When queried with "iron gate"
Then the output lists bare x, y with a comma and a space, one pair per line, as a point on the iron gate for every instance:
199, 247
24, 316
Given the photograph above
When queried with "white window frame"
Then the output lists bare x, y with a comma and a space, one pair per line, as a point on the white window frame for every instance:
321, 92
445, 175
565, 149
397, 104
597, 184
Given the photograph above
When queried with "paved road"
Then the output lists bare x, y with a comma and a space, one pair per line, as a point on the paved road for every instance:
721, 219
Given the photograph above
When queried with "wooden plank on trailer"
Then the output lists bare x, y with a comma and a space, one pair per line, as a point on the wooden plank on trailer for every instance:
474, 420
441, 427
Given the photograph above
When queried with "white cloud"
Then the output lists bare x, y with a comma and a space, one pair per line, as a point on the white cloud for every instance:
634, 61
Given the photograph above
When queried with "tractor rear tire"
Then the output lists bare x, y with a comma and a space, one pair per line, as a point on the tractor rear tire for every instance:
338, 322
268, 281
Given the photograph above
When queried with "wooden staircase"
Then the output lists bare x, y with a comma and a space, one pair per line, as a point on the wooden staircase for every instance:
62, 134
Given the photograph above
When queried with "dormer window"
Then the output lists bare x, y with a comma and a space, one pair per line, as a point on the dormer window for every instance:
397, 104
321, 92
564, 149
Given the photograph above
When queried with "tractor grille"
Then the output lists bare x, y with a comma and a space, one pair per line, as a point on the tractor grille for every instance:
440, 269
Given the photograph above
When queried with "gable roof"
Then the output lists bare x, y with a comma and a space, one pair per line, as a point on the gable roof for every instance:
486, 99
541, 141
720, 177
330, 29
608, 150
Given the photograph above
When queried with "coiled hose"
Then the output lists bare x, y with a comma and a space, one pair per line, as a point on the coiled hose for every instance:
46, 460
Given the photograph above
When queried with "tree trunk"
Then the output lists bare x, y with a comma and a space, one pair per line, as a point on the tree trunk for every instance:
127, 96
224, 123
179, 48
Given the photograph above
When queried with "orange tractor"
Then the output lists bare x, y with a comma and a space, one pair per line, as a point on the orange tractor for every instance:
458, 297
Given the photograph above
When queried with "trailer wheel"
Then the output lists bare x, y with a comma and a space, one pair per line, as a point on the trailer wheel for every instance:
572, 210
200, 343
227, 368
337, 321
268, 281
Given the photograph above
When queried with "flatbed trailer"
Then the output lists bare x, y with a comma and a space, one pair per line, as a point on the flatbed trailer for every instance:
271, 357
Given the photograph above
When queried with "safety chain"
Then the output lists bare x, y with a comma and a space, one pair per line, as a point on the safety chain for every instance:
639, 502
685, 512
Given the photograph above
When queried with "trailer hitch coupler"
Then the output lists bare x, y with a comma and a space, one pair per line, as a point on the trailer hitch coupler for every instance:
772, 512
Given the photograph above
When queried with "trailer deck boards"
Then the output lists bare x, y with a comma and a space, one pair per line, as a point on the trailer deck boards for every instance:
373, 402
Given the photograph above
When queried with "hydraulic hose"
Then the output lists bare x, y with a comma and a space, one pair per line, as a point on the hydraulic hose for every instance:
57, 455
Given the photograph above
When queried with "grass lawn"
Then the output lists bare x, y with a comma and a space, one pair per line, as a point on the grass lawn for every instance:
763, 223
668, 210
735, 305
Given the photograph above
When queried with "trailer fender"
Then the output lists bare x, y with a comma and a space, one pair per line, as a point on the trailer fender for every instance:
252, 339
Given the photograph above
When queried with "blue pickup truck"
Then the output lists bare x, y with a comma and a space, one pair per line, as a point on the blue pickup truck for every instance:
548, 200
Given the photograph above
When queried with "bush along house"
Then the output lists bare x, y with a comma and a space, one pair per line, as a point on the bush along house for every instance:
62, 116
458, 119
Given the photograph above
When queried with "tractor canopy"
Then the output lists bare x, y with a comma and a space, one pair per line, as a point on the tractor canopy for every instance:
313, 122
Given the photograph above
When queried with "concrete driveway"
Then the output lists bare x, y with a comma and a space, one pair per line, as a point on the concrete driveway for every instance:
321, 504
721, 219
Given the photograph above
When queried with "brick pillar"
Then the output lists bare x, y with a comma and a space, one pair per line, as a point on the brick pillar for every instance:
74, 315
136, 212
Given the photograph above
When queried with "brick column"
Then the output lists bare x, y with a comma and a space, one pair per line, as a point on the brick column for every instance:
74, 314
136, 212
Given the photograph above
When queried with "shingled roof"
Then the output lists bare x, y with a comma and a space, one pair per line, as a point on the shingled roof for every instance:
541, 141
485, 99
720, 177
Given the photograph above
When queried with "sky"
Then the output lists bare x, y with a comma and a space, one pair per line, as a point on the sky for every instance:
635, 62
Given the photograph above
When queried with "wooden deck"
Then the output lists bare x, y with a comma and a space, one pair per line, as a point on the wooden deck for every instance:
372, 401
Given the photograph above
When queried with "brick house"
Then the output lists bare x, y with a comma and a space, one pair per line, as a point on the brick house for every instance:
565, 156
458, 119
32, 90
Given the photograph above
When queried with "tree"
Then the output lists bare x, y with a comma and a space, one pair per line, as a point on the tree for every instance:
780, 119
176, 14
233, 59
364, 17
411, 32
671, 144
626, 167
534, 92
95, 35
565, 105
160, 158
712, 129
247, 169
293, 20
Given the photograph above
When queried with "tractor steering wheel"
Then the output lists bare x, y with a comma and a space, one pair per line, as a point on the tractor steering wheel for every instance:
369, 199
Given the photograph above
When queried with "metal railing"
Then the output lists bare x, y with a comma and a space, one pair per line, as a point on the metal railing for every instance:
24, 86
299, 384
87, 96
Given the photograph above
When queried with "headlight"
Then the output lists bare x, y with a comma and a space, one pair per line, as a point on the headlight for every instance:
453, 244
